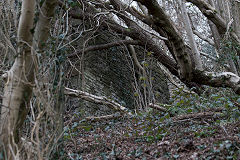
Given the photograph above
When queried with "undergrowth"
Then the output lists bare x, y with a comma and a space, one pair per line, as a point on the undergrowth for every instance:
153, 134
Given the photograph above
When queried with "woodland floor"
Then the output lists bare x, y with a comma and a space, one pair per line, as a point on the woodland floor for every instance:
152, 136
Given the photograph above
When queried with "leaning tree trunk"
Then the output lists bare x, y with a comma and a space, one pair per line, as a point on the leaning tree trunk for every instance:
19, 80
160, 18
193, 44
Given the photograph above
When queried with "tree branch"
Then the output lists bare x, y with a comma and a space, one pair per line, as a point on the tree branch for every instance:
197, 116
105, 46
166, 28
136, 33
224, 79
209, 40
158, 107
211, 13
181, 51
96, 99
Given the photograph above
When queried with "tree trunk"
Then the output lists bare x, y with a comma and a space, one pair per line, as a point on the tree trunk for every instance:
179, 48
236, 16
196, 53
19, 82
236, 24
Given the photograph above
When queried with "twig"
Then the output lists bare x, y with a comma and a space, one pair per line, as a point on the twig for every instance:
158, 107
197, 116
100, 118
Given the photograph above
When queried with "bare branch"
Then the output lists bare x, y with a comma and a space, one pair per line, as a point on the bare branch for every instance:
181, 51
209, 40
197, 116
211, 13
158, 107
102, 118
208, 56
96, 99
224, 79
105, 46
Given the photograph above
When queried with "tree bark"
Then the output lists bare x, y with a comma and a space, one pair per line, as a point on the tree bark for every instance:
224, 79
19, 82
196, 53
224, 12
236, 16
211, 13
43, 26
96, 99
180, 50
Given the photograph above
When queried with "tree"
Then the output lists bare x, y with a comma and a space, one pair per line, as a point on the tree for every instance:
19, 80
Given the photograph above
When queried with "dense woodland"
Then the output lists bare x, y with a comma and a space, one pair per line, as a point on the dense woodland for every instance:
119, 79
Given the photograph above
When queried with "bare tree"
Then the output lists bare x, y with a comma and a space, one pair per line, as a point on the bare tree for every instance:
19, 80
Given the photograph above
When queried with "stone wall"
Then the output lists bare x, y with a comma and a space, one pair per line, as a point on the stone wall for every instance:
109, 73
